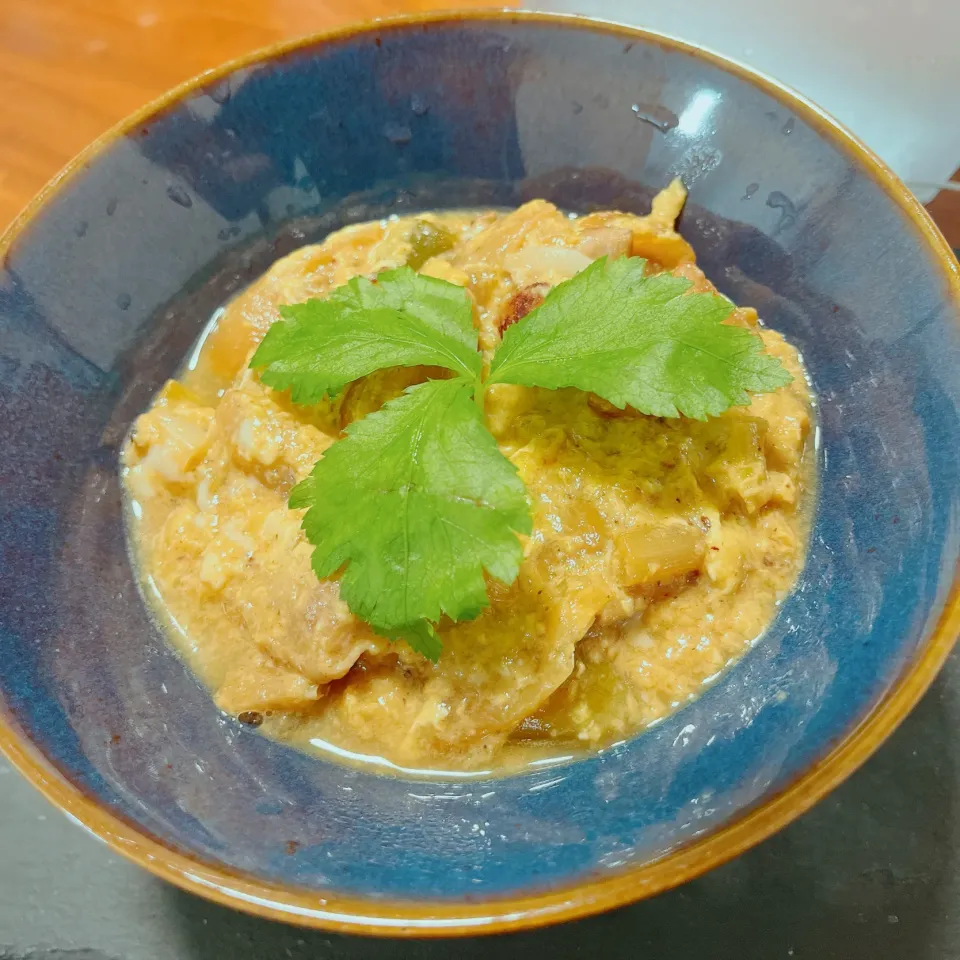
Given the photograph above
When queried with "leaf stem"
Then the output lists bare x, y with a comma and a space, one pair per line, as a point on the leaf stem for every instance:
479, 394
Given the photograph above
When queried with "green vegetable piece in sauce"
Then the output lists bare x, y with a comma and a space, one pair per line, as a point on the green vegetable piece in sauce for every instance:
427, 240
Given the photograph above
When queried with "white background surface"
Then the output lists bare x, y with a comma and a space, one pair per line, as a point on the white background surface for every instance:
888, 70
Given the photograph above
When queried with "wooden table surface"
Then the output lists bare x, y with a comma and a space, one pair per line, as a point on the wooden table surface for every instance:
69, 69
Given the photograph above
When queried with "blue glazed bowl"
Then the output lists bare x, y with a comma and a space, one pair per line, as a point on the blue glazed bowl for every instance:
108, 277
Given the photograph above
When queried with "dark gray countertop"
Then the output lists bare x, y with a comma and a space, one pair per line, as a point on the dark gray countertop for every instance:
872, 872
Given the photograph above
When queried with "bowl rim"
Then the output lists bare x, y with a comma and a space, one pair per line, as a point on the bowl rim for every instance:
593, 894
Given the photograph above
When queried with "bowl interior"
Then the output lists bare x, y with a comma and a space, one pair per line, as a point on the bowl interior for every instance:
103, 292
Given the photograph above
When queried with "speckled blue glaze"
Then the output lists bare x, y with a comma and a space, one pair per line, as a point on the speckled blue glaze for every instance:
104, 291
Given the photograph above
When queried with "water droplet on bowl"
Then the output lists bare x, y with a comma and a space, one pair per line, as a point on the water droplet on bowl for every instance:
787, 128
123, 301
397, 133
81, 228
418, 105
660, 118
221, 93
788, 211
750, 190
179, 195
111, 206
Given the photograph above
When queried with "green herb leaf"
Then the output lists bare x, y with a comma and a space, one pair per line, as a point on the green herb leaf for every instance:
401, 320
422, 637
413, 505
637, 340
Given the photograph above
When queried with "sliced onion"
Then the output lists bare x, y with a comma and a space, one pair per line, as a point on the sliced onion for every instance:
550, 265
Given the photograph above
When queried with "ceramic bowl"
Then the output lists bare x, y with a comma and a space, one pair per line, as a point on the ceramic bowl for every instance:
109, 275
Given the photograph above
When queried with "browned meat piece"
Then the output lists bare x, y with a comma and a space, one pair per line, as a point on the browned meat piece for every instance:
521, 303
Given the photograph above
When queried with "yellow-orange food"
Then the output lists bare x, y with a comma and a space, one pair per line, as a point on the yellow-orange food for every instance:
660, 550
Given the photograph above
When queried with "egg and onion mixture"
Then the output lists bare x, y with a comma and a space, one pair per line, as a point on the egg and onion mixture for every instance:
660, 552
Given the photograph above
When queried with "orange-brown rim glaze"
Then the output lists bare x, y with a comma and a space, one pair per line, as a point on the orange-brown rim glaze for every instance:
592, 894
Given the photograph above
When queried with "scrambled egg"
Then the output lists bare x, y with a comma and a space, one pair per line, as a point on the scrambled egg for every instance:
660, 550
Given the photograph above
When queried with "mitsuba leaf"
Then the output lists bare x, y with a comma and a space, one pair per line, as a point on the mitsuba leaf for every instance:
412, 508
402, 319
638, 340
